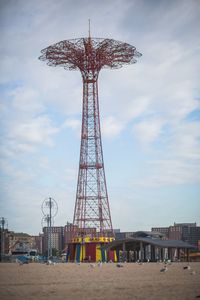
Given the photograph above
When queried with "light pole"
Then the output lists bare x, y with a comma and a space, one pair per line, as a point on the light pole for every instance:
3, 222
49, 210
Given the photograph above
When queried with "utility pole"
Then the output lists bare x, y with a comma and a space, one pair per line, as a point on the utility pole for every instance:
2, 224
49, 210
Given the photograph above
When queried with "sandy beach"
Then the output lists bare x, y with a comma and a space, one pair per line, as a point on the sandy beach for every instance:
72, 281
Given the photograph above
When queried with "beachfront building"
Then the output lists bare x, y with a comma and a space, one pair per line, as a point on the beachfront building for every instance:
57, 239
122, 235
19, 242
149, 246
187, 232
36, 242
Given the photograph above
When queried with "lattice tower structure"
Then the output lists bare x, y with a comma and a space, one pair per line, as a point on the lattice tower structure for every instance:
89, 55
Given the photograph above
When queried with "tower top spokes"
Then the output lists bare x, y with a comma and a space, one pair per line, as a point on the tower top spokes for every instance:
89, 54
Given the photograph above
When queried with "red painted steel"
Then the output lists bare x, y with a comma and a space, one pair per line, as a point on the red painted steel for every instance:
90, 252
90, 55
72, 249
111, 255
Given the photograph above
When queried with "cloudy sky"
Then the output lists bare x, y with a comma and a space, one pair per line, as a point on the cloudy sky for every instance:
150, 111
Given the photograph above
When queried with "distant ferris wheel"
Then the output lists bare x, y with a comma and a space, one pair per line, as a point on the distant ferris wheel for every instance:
49, 207
45, 220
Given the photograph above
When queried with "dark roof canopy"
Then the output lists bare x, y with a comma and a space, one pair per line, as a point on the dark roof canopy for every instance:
134, 242
152, 234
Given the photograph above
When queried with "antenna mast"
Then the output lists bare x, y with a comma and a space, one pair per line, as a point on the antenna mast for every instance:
89, 26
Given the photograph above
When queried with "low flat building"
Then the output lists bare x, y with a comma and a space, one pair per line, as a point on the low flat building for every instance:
150, 246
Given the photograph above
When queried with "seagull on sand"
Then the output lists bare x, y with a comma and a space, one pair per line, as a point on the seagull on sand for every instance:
20, 262
100, 264
193, 273
187, 267
118, 265
92, 265
163, 270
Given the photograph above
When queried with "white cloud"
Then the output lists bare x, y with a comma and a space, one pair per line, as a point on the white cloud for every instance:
136, 108
27, 100
178, 163
36, 131
169, 172
184, 141
111, 127
27, 134
74, 124
148, 131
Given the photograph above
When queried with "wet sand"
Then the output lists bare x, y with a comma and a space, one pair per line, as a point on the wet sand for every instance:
71, 281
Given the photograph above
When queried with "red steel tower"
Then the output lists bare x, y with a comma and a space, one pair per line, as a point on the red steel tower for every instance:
89, 55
